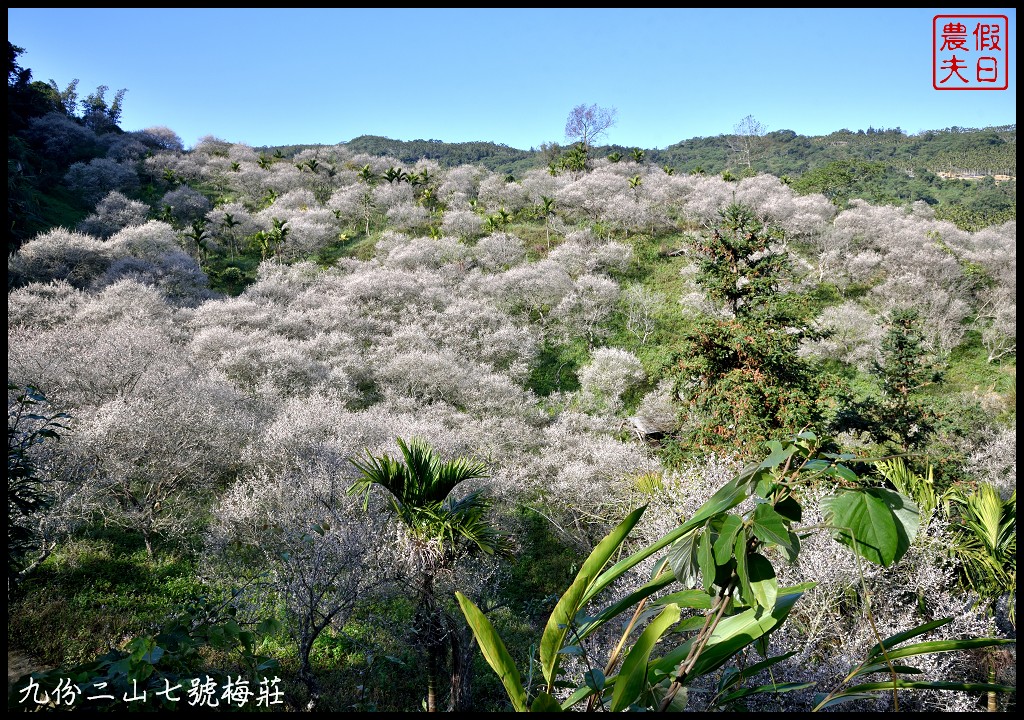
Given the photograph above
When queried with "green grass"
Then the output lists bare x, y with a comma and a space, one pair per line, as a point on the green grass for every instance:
970, 371
96, 592
555, 368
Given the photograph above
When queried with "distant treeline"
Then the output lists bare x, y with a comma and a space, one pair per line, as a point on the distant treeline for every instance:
968, 174
968, 152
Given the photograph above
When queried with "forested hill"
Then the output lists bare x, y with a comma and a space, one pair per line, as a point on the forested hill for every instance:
969, 175
961, 152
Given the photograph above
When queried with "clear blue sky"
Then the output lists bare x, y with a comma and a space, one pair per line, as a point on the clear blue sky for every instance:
283, 76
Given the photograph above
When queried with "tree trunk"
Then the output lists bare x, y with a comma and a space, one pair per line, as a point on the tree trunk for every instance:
432, 679
306, 675
429, 629
462, 648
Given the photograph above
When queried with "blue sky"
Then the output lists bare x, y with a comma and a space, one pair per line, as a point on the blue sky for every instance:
283, 76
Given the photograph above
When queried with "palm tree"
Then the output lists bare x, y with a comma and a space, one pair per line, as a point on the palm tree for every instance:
547, 209
230, 223
985, 541
366, 174
635, 183
198, 235
439, 529
393, 175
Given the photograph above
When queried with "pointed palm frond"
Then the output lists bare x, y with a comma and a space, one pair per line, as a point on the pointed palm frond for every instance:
468, 518
419, 485
920, 488
985, 541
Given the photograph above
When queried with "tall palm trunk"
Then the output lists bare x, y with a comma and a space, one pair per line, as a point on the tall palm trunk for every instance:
431, 631
462, 649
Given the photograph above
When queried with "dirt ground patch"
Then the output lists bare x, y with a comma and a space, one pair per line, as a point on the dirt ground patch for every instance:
19, 664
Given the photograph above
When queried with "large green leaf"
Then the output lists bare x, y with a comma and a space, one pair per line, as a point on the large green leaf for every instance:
731, 526
935, 646
705, 559
678, 703
866, 691
931, 685
886, 668
683, 558
577, 595
771, 527
763, 583
894, 640
494, 652
728, 496
764, 690
742, 571
545, 703
633, 675
751, 670
732, 635
876, 523
822, 703
696, 599
591, 624
778, 456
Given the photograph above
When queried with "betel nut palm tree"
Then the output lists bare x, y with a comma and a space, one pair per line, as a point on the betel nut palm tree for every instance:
438, 527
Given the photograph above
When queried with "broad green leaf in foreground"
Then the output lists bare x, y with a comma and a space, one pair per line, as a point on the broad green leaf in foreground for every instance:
876, 523
494, 652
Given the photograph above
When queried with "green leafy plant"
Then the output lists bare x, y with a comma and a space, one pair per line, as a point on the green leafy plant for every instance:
884, 657
985, 541
984, 528
439, 526
158, 670
720, 558
29, 492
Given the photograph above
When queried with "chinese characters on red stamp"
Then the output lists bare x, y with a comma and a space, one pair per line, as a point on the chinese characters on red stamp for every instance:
970, 52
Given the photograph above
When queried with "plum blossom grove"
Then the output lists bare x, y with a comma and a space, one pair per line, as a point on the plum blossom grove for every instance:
527, 340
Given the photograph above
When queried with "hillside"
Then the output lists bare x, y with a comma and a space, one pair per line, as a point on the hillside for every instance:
959, 152
945, 168
363, 433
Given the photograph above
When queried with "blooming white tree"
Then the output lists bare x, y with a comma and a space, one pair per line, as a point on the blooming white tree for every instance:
114, 212
160, 458
461, 223
852, 335
584, 311
185, 204
610, 372
499, 251
93, 180
59, 254
297, 537
534, 289
642, 306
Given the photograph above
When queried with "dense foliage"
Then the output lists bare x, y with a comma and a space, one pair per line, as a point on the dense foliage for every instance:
212, 353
